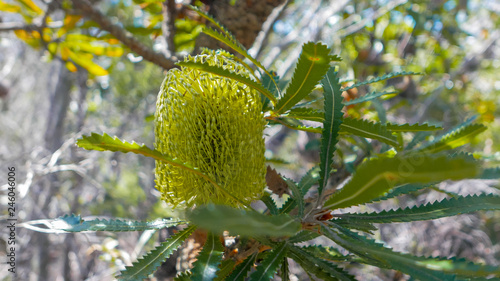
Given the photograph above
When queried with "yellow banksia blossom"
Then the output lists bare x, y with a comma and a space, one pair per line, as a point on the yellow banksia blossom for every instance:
216, 125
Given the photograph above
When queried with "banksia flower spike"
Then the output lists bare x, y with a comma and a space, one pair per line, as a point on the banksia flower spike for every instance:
216, 125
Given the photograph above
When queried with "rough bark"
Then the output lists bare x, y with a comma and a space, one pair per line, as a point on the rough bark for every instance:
244, 19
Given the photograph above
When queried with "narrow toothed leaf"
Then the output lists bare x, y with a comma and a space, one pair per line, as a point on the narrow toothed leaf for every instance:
381, 78
229, 74
491, 173
270, 204
331, 125
309, 179
297, 196
146, 265
403, 189
368, 97
420, 268
285, 270
306, 114
74, 223
241, 271
183, 276
313, 63
270, 81
303, 236
289, 205
326, 253
226, 267
207, 264
375, 177
240, 222
269, 266
430, 211
320, 268
367, 129
453, 139
411, 128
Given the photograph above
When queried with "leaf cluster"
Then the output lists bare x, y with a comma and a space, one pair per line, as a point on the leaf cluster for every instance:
276, 233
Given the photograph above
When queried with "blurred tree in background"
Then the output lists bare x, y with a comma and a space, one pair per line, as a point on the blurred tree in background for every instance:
74, 66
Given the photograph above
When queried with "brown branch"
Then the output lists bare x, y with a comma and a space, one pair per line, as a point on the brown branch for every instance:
13, 26
119, 33
168, 25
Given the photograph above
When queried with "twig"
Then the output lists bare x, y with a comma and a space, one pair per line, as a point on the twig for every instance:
119, 33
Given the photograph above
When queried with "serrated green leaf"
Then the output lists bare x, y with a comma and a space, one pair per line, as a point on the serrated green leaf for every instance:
183, 276
367, 129
226, 267
285, 270
378, 255
241, 222
403, 189
269, 266
333, 119
411, 128
453, 139
146, 265
297, 196
375, 177
270, 204
303, 236
309, 179
313, 63
421, 268
368, 97
381, 78
270, 82
241, 271
325, 253
491, 173
106, 143
306, 114
320, 268
430, 211
74, 223
229, 74
207, 264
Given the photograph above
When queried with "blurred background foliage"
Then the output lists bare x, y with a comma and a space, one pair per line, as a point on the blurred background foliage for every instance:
64, 73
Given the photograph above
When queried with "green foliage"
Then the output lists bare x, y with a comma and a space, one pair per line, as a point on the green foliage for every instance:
377, 176
333, 119
209, 259
313, 63
371, 169
148, 263
247, 223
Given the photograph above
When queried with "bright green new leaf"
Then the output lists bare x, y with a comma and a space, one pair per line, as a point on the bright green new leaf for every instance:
331, 125
266, 270
146, 265
207, 264
435, 210
368, 97
240, 222
453, 139
411, 128
306, 114
375, 177
313, 63
381, 78
367, 129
